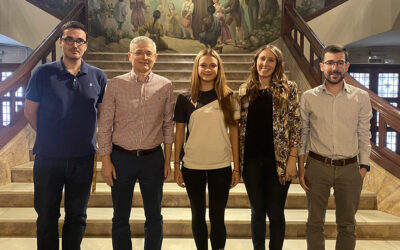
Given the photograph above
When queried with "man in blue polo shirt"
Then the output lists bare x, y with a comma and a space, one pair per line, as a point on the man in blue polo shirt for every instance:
62, 103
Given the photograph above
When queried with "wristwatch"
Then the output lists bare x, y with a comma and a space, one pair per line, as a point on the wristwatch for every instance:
368, 168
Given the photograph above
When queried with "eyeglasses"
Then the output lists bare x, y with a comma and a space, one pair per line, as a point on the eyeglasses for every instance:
148, 53
70, 41
339, 64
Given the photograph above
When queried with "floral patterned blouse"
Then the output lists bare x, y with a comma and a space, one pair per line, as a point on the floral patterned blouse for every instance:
286, 124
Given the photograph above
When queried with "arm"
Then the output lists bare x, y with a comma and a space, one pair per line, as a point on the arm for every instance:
234, 138
305, 121
104, 135
30, 112
364, 132
294, 124
167, 155
168, 129
179, 139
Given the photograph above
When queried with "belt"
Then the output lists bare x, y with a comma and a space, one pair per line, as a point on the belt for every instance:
329, 161
136, 152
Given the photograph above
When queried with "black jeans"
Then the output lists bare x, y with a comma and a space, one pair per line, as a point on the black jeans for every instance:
267, 197
219, 181
50, 176
149, 170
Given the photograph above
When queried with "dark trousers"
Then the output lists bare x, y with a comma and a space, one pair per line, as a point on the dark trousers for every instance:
149, 170
219, 181
267, 197
50, 176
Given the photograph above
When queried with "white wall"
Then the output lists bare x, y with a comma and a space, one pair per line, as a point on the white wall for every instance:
355, 20
25, 22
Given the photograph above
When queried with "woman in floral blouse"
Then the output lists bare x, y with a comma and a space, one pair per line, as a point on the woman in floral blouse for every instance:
269, 133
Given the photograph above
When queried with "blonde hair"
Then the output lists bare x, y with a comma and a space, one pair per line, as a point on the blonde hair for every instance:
221, 88
279, 81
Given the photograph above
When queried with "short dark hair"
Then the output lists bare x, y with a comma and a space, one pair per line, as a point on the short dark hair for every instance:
72, 24
211, 9
335, 49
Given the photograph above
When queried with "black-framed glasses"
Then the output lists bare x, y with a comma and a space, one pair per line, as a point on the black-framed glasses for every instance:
339, 63
148, 53
70, 41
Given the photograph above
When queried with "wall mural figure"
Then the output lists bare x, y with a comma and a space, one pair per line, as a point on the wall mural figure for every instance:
120, 13
187, 17
232, 7
137, 17
155, 30
252, 9
225, 36
211, 30
173, 26
199, 13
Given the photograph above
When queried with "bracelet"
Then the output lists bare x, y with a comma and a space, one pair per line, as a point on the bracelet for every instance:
295, 156
177, 162
236, 171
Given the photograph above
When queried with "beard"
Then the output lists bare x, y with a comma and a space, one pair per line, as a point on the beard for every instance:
334, 82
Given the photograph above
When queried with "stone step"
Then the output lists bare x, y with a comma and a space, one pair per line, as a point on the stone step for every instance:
166, 57
24, 173
181, 74
164, 65
371, 224
188, 244
21, 195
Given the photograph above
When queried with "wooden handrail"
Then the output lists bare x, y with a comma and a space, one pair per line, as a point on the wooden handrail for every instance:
21, 75
292, 24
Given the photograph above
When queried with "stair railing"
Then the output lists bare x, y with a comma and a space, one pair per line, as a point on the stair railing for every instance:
294, 31
12, 87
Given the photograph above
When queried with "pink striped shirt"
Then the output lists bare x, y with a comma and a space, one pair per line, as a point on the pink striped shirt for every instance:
136, 115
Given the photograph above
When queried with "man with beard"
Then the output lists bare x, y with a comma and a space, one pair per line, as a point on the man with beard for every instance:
62, 102
336, 132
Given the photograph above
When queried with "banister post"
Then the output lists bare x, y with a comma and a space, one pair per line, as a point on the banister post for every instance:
287, 24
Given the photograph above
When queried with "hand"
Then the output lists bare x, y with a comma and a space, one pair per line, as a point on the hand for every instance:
302, 172
179, 178
363, 172
291, 170
108, 173
235, 178
167, 170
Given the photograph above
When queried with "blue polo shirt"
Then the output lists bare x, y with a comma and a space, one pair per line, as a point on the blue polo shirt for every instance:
67, 113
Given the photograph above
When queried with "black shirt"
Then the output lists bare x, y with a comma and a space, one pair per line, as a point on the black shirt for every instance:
259, 133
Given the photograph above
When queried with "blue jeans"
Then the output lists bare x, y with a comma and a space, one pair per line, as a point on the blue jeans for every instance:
50, 176
267, 197
149, 170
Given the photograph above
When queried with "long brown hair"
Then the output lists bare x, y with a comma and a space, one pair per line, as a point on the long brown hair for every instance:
221, 88
279, 81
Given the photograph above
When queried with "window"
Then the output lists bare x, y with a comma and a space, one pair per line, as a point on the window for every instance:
391, 141
388, 84
363, 78
6, 113
4, 75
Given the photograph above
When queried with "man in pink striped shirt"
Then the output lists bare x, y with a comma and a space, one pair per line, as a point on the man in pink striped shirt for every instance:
135, 121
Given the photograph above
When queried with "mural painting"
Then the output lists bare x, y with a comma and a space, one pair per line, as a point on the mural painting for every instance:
307, 7
186, 26
60, 7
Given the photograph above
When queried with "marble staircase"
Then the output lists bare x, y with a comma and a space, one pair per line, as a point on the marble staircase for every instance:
376, 230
